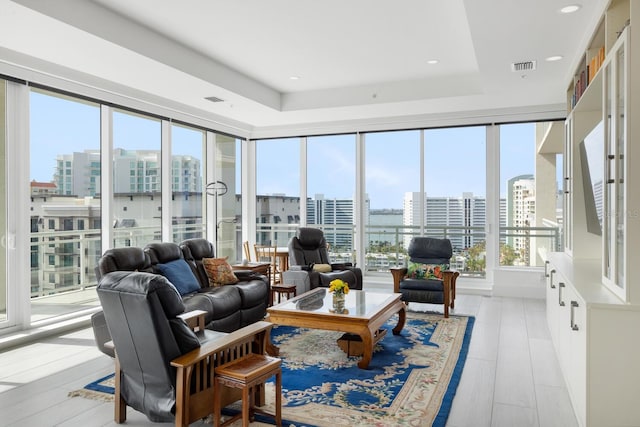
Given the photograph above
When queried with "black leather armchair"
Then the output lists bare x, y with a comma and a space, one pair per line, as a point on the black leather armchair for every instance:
118, 259
158, 354
308, 248
430, 257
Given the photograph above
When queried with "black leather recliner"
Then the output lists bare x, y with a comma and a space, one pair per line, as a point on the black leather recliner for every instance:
118, 259
308, 248
428, 251
142, 312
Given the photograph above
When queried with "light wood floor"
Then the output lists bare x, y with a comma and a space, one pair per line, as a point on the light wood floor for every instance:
511, 377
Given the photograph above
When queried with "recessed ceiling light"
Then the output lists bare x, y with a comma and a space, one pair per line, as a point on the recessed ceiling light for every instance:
570, 8
294, 78
432, 61
553, 58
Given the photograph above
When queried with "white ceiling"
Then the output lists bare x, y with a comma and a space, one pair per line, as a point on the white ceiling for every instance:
356, 59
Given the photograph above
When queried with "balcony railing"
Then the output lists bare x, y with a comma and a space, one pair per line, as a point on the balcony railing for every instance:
64, 261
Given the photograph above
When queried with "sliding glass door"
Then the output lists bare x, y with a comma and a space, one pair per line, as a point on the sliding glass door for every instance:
65, 203
3, 202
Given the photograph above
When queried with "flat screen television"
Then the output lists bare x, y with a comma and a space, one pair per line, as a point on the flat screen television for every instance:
592, 164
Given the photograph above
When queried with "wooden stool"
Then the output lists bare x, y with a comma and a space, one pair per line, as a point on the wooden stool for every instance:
245, 374
282, 290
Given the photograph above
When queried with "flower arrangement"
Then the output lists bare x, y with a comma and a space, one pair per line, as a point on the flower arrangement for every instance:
339, 287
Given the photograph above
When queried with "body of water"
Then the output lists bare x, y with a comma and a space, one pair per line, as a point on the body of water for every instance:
379, 232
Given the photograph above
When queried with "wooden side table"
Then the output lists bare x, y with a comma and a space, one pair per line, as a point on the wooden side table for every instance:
245, 374
282, 290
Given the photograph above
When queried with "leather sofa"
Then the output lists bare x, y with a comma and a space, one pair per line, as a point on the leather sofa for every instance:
228, 308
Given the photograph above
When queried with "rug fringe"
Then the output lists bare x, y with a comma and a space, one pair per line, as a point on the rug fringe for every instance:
90, 394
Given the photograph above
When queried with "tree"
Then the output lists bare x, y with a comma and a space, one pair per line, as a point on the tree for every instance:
476, 257
507, 254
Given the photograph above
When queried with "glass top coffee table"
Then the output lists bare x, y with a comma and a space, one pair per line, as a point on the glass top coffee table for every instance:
364, 314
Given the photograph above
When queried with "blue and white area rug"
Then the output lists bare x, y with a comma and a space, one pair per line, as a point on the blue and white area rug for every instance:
411, 380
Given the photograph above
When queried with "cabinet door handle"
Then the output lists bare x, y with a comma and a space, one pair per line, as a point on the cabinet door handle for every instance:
566, 185
546, 273
551, 285
574, 304
560, 302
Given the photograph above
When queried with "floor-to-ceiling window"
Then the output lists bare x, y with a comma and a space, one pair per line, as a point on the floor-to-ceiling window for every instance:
137, 201
277, 189
65, 195
455, 187
529, 188
225, 191
3, 201
65, 203
331, 178
187, 182
392, 181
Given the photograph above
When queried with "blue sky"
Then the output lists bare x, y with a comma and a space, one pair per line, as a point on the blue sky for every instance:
454, 157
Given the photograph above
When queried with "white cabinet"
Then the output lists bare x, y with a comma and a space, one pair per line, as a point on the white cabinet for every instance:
596, 339
601, 209
593, 295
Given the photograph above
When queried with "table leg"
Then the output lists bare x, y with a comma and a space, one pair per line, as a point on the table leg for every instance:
402, 317
367, 348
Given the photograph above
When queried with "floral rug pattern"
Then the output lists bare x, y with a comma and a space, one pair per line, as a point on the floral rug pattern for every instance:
411, 379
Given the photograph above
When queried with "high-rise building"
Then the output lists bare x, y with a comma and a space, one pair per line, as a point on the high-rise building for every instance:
78, 173
521, 210
134, 171
453, 217
334, 212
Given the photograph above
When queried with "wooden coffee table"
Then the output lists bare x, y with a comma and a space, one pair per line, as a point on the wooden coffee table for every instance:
365, 313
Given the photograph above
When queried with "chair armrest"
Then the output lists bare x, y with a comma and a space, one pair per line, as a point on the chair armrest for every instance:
194, 319
247, 275
341, 265
250, 339
195, 369
398, 274
306, 268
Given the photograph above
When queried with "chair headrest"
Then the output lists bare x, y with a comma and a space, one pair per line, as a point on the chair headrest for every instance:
163, 252
124, 259
310, 237
428, 249
196, 249
144, 284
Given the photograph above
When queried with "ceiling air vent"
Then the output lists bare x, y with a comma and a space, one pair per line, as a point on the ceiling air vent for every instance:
214, 99
523, 66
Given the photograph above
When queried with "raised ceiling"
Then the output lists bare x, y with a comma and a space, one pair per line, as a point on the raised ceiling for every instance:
356, 60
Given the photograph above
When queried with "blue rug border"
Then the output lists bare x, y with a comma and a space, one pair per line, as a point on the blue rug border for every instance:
447, 400
95, 386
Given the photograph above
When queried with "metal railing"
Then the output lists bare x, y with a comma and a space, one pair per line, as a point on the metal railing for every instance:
64, 261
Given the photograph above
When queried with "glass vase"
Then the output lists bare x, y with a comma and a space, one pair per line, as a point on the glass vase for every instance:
338, 302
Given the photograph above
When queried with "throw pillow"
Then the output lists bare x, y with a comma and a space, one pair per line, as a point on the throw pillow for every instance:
417, 270
219, 271
180, 275
322, 268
